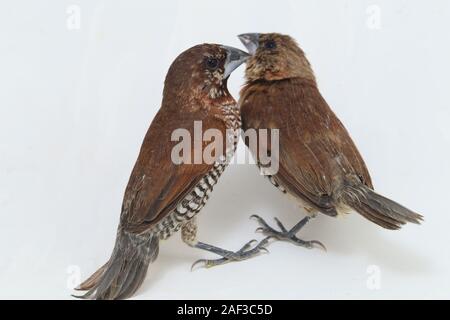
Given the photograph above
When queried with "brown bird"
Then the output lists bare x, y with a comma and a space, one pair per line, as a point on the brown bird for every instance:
163, 195
318, 163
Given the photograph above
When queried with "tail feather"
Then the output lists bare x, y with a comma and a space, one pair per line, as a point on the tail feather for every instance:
133, 282
125, 271
92, 280
378, 209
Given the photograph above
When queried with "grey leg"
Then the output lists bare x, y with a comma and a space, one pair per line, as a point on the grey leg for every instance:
188, 234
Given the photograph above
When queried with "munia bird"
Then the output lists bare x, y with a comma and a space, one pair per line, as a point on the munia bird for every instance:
162, 196
319, 164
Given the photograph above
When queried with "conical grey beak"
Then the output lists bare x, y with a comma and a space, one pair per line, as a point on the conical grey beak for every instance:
235, 58
250, 41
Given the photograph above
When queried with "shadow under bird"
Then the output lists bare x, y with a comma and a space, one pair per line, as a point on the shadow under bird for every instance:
318, 163
161, 196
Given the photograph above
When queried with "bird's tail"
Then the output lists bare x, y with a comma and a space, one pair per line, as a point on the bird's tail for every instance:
125, 271
376, 208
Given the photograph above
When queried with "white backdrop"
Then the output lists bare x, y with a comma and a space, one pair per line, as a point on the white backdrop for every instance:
81, 80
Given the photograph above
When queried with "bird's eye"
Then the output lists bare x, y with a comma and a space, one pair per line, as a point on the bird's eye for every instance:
212, 63
270, 45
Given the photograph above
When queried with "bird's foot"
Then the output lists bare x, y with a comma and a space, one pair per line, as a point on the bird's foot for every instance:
287, 235
245, 253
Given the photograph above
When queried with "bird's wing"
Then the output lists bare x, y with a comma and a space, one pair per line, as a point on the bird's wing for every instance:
157, 184
315, 149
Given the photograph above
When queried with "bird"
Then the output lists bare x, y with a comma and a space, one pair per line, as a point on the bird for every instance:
164, 193
317, 163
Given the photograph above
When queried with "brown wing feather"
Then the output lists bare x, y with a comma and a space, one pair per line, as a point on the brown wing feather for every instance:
316, 151
157, 184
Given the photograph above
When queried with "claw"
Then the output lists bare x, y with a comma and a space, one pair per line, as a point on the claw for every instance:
319, 245
264, 249
260, 230
261, 221
257, 218
248, 245
200, 261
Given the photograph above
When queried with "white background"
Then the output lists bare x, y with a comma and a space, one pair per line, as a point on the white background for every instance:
75, 105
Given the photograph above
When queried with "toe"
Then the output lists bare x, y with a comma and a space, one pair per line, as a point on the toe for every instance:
318, 244
280, 225
260, 220
201, 263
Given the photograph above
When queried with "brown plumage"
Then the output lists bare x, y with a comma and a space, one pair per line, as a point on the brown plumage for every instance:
319, 164
161, 196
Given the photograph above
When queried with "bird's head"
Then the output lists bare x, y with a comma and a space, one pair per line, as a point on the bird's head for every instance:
274, 56
201, 72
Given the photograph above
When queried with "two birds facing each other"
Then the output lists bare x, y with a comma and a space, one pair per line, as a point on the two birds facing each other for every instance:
318, 163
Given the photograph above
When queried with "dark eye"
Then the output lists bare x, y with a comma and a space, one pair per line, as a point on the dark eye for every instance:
212, 63
270, 45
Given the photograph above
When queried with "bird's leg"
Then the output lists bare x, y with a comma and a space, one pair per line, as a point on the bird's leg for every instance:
189, 232
287, 235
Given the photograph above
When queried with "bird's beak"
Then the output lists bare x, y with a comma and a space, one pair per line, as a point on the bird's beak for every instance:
250, 41
235, 58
